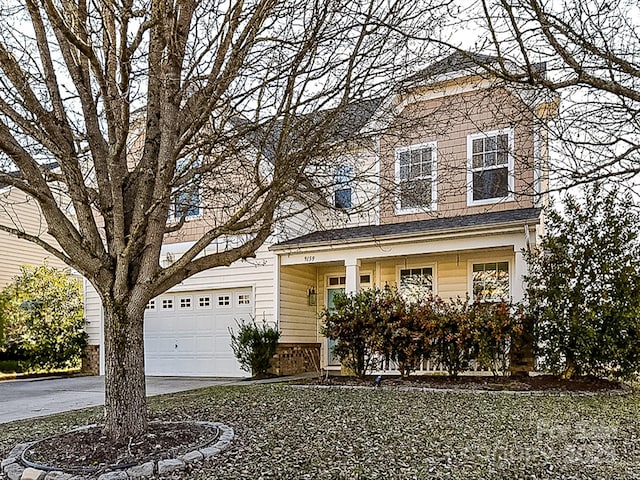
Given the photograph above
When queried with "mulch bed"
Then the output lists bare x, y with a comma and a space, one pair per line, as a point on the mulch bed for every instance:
542, 383
90, 449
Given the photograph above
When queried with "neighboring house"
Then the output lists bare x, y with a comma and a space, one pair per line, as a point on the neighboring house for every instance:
21, 212
459, 167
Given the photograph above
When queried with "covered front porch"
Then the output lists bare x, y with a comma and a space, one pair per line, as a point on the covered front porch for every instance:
479, 261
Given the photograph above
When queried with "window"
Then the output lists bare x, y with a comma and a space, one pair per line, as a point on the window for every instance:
244, 299
416, 283
342, 195
204, 302
490, 176
224, 300
490, 281
341, 281
186, 203
186, 198
415, 177
151, 305
167, 303
185, 302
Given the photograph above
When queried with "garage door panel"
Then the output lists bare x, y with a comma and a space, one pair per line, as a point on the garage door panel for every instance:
194, 340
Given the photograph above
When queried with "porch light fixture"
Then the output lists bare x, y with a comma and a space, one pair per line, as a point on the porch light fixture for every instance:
312, 297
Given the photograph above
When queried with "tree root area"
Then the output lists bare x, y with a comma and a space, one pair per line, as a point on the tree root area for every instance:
92, 449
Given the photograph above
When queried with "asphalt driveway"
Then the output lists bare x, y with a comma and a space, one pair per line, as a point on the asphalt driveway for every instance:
21, 399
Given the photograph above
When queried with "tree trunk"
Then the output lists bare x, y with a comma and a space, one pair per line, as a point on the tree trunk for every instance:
125, 389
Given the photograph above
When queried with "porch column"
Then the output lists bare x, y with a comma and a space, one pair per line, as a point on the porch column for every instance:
520, 269
352, 281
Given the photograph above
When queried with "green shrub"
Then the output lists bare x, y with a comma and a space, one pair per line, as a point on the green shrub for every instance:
583, 287
452, 334
378, 323
409, 341
42, 318
497, 326
254, 346
355, 322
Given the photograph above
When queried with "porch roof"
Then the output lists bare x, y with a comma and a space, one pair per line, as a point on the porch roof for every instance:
488, 220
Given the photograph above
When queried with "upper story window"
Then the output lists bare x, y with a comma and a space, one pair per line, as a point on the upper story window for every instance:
186, 203
490, 167
490, 281
342, 195
416, 178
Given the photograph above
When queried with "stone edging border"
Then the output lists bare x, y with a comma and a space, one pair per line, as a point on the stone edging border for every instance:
13, 469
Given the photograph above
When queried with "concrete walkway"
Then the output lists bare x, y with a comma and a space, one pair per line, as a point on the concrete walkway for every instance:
29, 398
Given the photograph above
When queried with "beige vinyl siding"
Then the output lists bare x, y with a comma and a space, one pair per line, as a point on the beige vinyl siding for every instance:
451, 269
19, 211
448, 121
298, 320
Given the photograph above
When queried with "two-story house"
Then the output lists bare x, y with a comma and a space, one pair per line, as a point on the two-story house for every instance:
459, 167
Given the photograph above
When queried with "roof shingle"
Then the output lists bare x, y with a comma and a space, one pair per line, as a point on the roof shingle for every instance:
381, 232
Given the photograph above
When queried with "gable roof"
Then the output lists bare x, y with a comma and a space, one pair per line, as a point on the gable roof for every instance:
463, 63
415, 228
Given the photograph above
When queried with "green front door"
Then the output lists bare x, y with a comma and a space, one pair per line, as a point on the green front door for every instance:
333, 360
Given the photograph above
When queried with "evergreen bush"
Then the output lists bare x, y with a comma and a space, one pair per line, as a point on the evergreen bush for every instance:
254, 345
583, 287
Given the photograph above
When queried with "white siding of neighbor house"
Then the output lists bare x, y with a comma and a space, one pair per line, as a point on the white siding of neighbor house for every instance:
19, 211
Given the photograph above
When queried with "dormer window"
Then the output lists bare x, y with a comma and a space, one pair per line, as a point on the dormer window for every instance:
490, 177
416, 178
342, 195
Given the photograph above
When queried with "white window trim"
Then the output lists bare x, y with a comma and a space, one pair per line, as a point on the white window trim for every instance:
151, 306
347, 185
223, 307
243, 305
510, 167
197, 305
167, 298
327, 276
434, 178
476, 261
185, 297
432, 266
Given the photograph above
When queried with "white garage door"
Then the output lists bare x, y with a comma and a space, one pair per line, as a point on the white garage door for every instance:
187, 334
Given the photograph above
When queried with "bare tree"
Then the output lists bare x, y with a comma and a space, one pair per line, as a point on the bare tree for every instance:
120, 117
591, 55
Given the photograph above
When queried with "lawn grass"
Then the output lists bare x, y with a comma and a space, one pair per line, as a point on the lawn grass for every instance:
338, 433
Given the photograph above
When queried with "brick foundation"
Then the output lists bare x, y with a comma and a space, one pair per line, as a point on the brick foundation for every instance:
294, 358
91, 360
